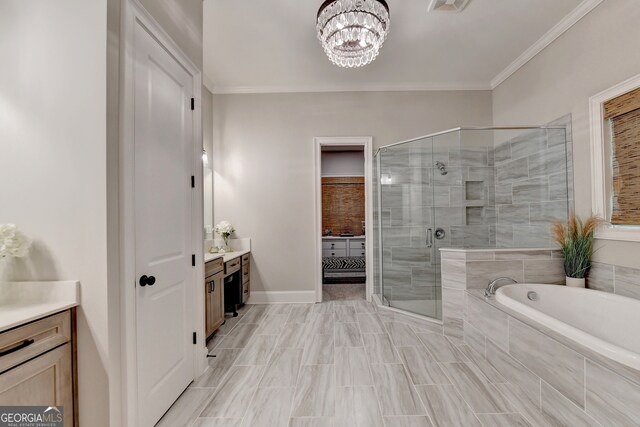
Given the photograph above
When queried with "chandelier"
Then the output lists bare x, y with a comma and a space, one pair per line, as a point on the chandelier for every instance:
352, 31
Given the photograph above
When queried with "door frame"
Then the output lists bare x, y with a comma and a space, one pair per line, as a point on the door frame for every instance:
367, 144
125, 333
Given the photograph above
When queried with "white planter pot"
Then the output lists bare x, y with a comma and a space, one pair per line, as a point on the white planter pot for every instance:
575, 283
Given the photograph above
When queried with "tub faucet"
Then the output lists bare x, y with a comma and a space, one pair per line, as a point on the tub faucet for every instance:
492, 286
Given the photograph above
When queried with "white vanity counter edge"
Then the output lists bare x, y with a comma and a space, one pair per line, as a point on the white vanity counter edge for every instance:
24, 302
228, 256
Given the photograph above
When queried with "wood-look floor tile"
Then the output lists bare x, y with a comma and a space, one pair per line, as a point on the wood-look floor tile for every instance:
239, 337
446, 407
422, 368
347, 335
272, 324
257, 351
370, 323
234, 394
408, 421
270, 408
441, 348
357, 407
280, 309
481, 362
315, 392
300, 313
322, 324
396, 394
476, 390
345, 313
319, 350
380, 349
186, 409
362, 306
352, 368
218, 367
503, 420
256, 314
402, 335
230, 322
523, 403
282, 370
294, 335
323, 308
218, 422
311, 422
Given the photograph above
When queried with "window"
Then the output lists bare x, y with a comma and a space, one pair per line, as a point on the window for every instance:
615, 148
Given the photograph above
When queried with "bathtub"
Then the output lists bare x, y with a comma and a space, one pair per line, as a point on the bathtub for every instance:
606, 323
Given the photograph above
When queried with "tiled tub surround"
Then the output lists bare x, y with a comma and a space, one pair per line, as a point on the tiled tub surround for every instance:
553, 380
464, 269
344, 363
617, 279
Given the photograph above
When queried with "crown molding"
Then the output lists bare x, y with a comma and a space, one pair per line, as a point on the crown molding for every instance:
549, 37
234, 90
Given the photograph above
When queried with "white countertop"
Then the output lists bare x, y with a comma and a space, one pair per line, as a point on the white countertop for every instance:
343, 237
228, 256
23, 302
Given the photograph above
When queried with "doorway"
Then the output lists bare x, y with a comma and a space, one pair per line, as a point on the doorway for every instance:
343, 210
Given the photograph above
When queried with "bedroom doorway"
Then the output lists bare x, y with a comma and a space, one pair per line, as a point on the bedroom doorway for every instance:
342, 194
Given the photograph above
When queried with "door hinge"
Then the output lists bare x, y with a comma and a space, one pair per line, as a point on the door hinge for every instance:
195, 338
193, 104
193, 181
193, 260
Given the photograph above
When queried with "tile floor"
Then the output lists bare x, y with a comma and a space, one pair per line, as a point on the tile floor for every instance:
338, 363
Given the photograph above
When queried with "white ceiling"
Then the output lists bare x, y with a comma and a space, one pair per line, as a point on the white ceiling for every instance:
271, 45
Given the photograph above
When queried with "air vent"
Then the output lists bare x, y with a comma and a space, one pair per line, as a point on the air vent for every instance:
447, 5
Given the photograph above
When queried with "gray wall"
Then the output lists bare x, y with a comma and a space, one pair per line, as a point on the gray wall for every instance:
264, 167
560, 80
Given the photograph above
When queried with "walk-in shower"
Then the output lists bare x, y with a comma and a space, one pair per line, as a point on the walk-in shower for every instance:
463, 188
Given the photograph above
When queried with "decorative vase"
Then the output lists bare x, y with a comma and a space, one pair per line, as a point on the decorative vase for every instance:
226, 247
575, 282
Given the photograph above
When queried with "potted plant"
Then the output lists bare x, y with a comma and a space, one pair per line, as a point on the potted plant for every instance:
224, 229
576, 245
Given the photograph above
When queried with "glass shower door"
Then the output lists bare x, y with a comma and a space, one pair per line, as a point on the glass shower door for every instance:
409, 258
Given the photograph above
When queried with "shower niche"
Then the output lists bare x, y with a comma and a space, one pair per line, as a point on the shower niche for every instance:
477, 188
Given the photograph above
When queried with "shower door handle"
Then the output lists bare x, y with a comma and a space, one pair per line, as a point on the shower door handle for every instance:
429, 237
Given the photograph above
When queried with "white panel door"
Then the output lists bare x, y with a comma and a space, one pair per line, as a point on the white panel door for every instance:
163, 134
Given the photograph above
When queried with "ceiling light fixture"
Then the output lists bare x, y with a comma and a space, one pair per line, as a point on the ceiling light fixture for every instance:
352, 31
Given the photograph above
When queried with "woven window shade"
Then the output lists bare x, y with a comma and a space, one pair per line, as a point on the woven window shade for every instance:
623, 116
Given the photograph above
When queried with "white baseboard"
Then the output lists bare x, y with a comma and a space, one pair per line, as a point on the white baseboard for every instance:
280, 297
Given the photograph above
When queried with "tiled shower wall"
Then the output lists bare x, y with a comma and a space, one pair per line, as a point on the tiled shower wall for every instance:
491, 197
531, 186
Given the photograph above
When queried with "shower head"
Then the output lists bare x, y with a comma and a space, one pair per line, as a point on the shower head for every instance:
442, 167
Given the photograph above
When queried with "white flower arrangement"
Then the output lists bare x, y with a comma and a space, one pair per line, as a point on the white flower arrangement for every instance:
12, 242
224, 228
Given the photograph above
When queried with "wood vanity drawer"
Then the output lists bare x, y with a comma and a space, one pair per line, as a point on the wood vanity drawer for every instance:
26, 342
334, 244
213, 267
232, 266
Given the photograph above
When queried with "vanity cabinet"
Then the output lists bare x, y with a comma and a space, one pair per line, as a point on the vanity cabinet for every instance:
214, 295
37, 365
343, 246
246, 277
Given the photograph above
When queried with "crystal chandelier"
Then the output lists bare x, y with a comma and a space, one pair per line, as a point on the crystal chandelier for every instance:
352, 31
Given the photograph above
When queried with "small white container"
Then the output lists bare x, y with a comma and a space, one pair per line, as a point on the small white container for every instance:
575, 282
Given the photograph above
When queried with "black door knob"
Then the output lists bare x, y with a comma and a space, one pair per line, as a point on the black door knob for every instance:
147, 280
